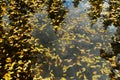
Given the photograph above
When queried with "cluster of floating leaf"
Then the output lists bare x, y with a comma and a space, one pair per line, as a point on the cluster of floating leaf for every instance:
82, 60
17, 52
20, 59
113, 57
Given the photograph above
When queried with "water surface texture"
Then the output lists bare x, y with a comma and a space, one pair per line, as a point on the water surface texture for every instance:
70, 40
82, 35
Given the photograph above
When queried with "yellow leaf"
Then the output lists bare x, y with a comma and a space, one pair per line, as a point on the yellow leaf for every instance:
7, 76
65, 68
20, 62
93, 66
83, 69
85, 78
8, 60
96, 77
1, 40
62, 78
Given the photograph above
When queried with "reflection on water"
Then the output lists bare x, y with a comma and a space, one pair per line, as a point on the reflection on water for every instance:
83, 36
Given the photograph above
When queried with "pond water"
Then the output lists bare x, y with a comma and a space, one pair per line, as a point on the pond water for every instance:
79, 41
60, 39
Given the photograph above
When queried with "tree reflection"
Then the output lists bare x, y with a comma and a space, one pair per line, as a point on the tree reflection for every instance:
16, 55
76, 3
113, 18
17, 50
56, 12
96, 9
